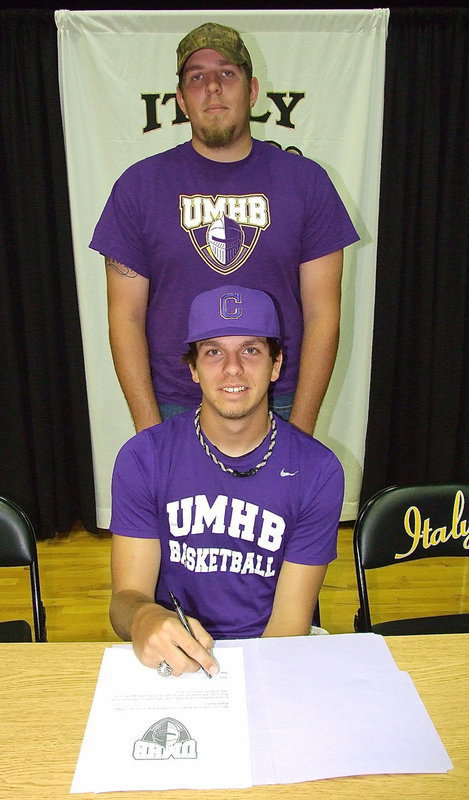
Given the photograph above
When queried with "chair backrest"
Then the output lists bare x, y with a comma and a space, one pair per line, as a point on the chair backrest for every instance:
405, 523
18, 548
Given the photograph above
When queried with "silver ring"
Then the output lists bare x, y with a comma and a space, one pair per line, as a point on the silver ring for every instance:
164, 669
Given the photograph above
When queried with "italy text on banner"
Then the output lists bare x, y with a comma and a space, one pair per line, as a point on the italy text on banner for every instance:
321, 79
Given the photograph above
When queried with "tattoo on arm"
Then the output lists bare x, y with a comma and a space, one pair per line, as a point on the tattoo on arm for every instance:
120, 268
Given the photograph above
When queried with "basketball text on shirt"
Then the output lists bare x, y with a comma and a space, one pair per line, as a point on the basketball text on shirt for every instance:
239, 520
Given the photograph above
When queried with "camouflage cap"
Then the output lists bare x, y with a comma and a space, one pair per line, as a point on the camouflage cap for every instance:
213, 36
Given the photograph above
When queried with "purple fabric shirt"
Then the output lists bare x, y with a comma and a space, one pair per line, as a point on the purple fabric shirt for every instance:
190, 224
224, 538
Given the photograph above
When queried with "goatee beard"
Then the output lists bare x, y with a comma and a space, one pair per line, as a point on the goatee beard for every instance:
218, 138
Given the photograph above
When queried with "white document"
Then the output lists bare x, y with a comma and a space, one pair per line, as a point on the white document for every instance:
332, 706
149, 732
312, 707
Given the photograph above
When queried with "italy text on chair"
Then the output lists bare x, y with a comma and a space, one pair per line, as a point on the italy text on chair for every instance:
18, 549
406, 523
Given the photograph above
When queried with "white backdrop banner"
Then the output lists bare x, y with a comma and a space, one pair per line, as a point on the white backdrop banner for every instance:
321, 77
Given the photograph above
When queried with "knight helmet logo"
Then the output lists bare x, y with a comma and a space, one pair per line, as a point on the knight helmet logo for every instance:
225, 238
224, 230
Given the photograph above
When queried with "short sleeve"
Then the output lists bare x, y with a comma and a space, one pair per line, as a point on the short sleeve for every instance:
327, 225
314, 539
134, 504
119, 230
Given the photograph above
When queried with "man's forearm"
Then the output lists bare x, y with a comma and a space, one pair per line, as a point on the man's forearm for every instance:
124, 606
277, 628
132, 364
127, 293
295, 598
318, 354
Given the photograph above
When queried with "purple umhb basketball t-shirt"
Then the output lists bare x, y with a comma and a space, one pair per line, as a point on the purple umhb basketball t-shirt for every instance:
224, 538
190, 224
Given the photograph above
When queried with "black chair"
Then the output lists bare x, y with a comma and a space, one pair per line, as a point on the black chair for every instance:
406, 523
18, 549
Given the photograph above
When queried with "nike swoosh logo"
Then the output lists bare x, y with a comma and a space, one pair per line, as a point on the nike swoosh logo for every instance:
285, 474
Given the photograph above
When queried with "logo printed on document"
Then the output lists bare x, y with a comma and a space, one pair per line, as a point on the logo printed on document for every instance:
167, 738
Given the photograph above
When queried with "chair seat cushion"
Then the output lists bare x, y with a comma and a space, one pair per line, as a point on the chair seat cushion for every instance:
16, 630
450, 623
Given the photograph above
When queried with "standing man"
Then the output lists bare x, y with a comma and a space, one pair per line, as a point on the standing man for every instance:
222, 206
228, 506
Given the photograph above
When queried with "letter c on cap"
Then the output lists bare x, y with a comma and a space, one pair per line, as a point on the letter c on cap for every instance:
230, 305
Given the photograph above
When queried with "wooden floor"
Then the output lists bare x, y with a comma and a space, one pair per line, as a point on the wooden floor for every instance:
75, 584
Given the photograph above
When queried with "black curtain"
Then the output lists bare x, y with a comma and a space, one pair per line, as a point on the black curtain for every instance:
418, 428
45, 450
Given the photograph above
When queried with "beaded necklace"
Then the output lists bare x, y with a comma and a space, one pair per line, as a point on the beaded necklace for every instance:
235, 472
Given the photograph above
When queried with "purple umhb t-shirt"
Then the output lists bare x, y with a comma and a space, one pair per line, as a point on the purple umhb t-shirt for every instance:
224, 538
190, 224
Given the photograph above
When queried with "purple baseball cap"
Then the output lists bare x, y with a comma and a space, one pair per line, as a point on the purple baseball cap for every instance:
232, 311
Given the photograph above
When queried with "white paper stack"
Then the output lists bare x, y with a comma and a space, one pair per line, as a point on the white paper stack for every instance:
280, 711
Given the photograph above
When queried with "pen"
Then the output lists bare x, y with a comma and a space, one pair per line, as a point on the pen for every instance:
183, 620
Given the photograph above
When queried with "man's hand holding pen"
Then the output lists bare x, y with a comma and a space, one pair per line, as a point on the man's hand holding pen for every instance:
159, 636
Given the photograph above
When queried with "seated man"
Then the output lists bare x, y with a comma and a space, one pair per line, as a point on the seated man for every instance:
232, 509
